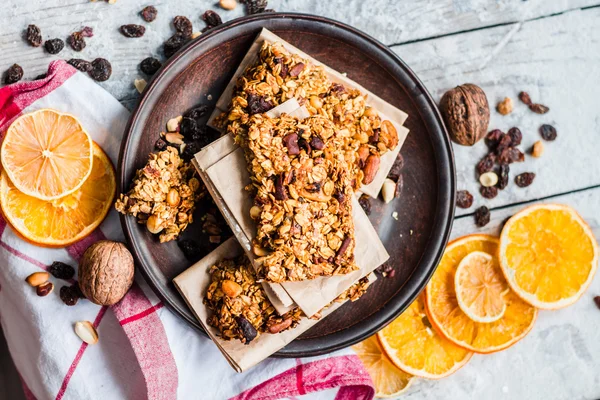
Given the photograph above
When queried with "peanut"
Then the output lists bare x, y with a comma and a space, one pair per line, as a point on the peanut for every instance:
44, 289
86, 332
173, 198
37, 278
231, 289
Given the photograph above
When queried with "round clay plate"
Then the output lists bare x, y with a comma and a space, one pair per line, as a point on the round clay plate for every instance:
415, 239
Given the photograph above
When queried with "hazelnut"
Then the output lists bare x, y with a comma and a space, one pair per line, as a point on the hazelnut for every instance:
37, 278
505, 107
228, 4
488, 179
154, 224
106, 272
173, 198
316, 101
466, 113
231, 289
537, 149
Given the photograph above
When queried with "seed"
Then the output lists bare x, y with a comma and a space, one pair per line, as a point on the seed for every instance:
86, 332
173, 198
173, 124
316, 101
37, 278
44, 289
154, 224
505, 107
388, 190
228, 4
538, 149
231, 289
174, 137
488, 179
140, 85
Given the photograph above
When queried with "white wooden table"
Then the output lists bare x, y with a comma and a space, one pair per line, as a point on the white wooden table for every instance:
549, 48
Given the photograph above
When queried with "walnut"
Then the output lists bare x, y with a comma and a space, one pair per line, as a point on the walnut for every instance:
106, 272
466, 113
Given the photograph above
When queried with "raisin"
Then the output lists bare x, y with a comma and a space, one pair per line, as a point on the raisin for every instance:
396, 169
61, 270
196, 112
488, 192
515, 136
317, 143
524, 97
482, 216
297, 69
548, 132
200, 136
284, 68
212, 19
191, 148
525, 179
149, 13
34, 36
464, 199
173, 44
54, 46
150, 65
191, 249
101, 70
539, 108
258, 104
255, 6
486, 164
503, 176
511, 155
187, 127
386, 270
13, 74
76, 41
160, 144
365, 203
504, 143
247, 329
82, 65
183, 25
493, 138
70, 294
340, 197
132, 30
597, 301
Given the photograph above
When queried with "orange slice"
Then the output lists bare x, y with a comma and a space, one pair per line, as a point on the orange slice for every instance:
414, 347
61, 222
480, 287
388, 379
47, 154
447, 316
549, 255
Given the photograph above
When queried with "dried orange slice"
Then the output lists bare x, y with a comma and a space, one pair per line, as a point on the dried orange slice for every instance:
414, 347
480, 287
549, 255
47, 154
61, 222
388, 379
447, 316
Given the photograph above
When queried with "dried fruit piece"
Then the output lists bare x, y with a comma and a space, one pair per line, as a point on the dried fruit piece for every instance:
70, 295
247, 329
101, 70
82, 65
34, 36
515, 136
13, 74
291, 143
197, 112
37, 278
183, 25
488, 179
525, 179
488, 192
255, 6
466, 113
160, 144
548, 132
149, 13
44, 289
538, 149
61, 270
296, 70
150, 65
86, 332
597, 301
258, 104
133, 30
365, 202
212, 19
539, 108
505, 107
524, 97
76, 41
396, 169
486, 164
493, 138
54, 46
388, 190
503, 176
173, 44
464, 199
191, 249
482, 216
511, 155
504, 143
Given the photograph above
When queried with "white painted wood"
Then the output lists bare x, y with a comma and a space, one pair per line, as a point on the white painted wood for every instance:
556, 60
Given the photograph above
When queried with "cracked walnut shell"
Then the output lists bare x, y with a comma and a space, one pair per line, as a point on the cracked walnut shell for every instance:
466, 113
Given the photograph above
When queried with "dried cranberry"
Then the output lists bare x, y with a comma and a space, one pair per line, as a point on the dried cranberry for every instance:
54, 46
13, 74
82, 65
486, 164
524, 97
539, 108
150, 65
132, 30
183, 25
515, 136
525, 179
503, 176
396, 169
258, 104
511, 155
212, 19
87, 31
61, 270
197, 112
69, 294
149, 13
101, 70
365, 203
548, 132
488, 192
191, 249
464, 199
34, 36
160, 144
493, 138
248, 330
482, 216
173, 44
255, 6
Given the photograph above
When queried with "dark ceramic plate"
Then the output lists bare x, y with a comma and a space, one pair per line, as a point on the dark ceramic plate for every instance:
425, 208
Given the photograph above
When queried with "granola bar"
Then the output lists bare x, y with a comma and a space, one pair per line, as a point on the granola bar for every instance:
302, 193
163, 194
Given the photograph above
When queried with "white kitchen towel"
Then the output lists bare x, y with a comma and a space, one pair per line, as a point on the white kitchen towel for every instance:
144, 350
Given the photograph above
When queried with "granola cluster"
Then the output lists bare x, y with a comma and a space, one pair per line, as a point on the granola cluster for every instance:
163, 195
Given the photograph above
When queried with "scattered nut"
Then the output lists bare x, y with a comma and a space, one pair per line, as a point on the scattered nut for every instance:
388, 190
44, 289
173, 124
389, 135
86, 332
173, 198
283, 325
228, 4
466, 113
154, 224
140, 85
174, 137
37, 278
538, 149
195, 35
230, 288
505, 107
488, 179
371, 168
316, 102
255, 212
